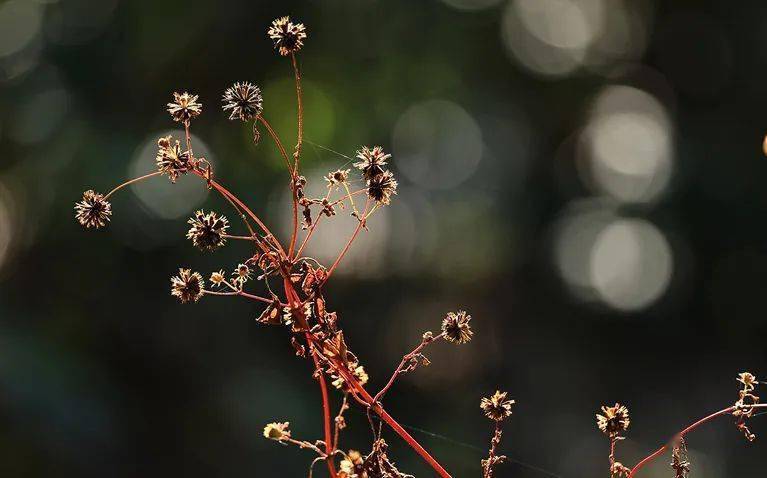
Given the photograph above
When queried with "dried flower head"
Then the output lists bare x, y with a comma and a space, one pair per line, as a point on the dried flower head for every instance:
614, 420
381, 188
171, 160
288, 37
619, 470
184, 107
217, 278
748, 380
243, 101
352, 466
337, 177
277, 431
93, 211
456, 328
208, 230
242, 274
497, 407
187, 286
372, 161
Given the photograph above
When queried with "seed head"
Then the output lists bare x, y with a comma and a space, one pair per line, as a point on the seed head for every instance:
171, 161
381, 188
497, 407
93, 211
208, 230
456, 328
277, 431
614, 420
243, 101
288, 37
187, 286
337, 177
372, 161
184, 107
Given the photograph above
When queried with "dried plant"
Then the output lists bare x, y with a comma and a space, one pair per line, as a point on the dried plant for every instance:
293, 284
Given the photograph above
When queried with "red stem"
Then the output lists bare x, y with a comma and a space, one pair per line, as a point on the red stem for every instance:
681, 434
349, 243
326, 419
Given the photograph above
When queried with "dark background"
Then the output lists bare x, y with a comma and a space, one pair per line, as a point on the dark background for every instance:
585, 177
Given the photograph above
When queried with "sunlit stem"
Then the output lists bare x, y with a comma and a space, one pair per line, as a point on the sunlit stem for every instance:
350, 197
278, 143
243, 238
134, 180
351, 240
300, 103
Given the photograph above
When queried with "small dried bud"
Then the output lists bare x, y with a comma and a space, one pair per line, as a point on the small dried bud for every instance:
372, 161
748, 380
497, 407
217, 278
277, 431
187, 286
614, 420
242, 274
337, 177
456, 328
93, 211
171, 161
243, 101
381, 188
428, 336
208, 230
288, 37
184, 107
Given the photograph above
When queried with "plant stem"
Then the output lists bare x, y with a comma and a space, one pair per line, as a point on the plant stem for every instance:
277, 142
349, 243
402, 363
300, 107
682, 433
131, 181
326, 418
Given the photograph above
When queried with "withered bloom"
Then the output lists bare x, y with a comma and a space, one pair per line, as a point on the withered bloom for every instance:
171, 161
352, 465
381, 188
748, 380
243, 101
277, 431
208, 230
187, 286
456, 328
217, 278
614, 420
288, 37
337, 177
93, 211
372, 161
497, 407
184, 107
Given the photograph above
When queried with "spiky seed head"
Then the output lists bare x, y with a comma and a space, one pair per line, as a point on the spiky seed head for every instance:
382, 187
93, 211
497, 406
371, 161
456, 327
217, 278
171, 160
613, 420
208, 230
337, 177
243, 101
184, 107
288, 37
748, 380
187, 286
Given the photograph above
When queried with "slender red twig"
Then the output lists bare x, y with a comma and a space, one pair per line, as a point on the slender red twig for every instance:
326, 418
350, 241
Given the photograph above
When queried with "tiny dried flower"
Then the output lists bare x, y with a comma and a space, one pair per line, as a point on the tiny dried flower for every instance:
93, 211
242, 274
619, 470
184, 107
187, 286
288, 37
456, 328
352, 465
497, 407
171, 160
208, 230
372, 161
381, 188
748, 380
243, 101
614, 420
337, 177
277, 431
217, 278
359, 373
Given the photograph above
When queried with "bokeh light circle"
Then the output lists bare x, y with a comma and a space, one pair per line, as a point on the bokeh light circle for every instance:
20, 23
437, 144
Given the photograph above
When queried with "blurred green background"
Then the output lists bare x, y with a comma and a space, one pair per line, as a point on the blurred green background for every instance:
584, 176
